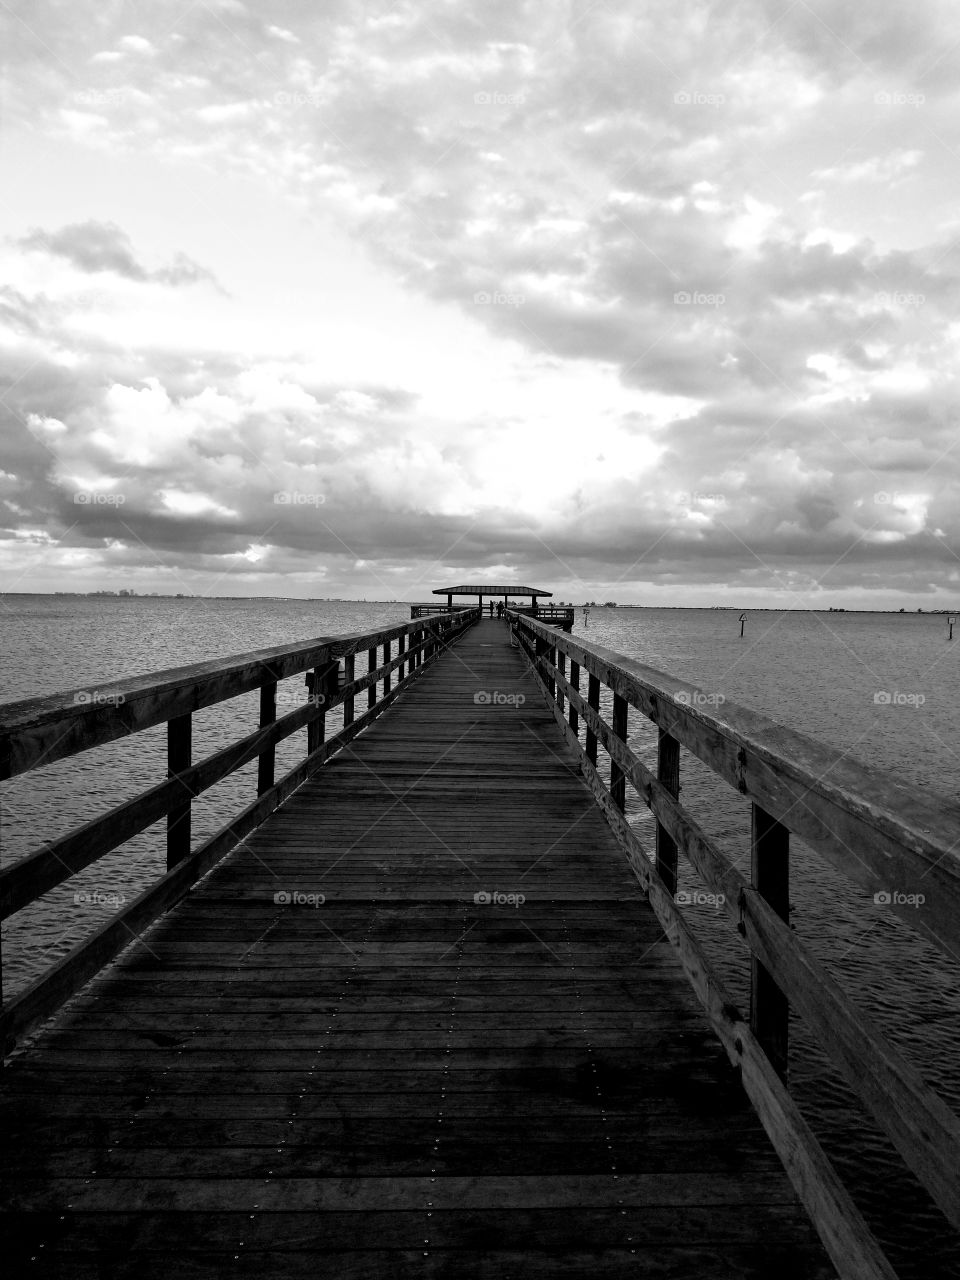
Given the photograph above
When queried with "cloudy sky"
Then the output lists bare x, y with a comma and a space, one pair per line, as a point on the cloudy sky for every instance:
655, 302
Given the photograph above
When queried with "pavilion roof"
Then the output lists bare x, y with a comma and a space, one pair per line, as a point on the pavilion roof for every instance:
486, 589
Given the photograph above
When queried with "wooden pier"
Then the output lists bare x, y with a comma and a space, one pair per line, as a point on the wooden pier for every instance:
425, 1018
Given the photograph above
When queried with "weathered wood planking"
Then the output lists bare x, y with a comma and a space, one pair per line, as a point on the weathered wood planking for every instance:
403, 1080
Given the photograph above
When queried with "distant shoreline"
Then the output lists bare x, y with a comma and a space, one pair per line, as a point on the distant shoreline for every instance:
695, 608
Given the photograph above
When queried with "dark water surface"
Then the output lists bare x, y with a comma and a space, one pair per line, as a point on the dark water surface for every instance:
817, 673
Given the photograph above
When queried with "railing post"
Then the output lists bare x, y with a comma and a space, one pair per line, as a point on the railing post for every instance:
316, 729
349, 675
321, 683
618, 781
266, 764
770, 875
575, 681
372, 666
560, 661
386, 659
401, 648
668, 772
593, 702
543, 650
179, 758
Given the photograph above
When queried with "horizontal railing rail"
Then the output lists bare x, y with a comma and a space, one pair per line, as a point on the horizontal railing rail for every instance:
545, 612
38, 731
549, 612
877, 832
428, 610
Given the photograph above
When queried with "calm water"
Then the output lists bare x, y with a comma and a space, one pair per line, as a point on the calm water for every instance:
818, 673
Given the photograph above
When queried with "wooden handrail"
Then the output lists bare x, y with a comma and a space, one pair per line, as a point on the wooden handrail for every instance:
870, 827
35, 732
38, 731
872, 1067
795, 784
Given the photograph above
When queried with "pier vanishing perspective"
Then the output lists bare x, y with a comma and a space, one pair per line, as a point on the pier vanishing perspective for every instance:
426, 1007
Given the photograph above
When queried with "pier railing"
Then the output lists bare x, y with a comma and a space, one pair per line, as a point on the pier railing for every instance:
39, 731
886, 839
558, 614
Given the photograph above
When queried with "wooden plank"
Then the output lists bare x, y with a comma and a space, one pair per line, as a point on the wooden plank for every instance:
486, 1260
464, 1151
299, 1195
552, 1229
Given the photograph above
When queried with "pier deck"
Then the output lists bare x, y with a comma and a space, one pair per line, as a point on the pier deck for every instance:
403, 1080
